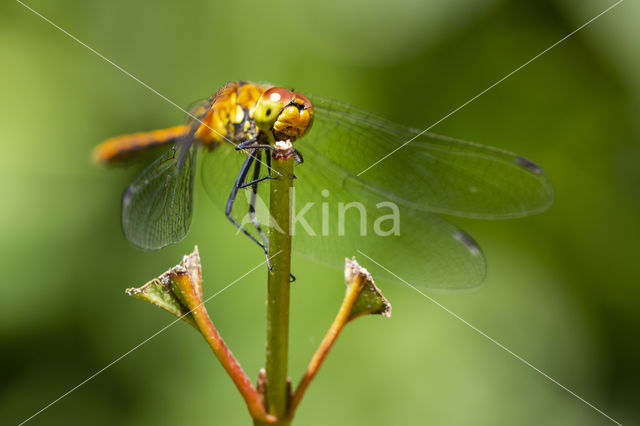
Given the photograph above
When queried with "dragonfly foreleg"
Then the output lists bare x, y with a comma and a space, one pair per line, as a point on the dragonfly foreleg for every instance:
254, 193
268, 164
251, 144
255, 155
246, 144
256, 181
232, 197
297, 155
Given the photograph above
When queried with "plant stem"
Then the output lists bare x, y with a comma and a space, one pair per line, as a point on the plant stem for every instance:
231, 365
251, 396
277, 389
342, 318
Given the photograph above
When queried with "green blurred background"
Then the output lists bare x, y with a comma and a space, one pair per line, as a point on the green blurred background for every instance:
562, 290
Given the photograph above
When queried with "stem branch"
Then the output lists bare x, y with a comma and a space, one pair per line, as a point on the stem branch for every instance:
342, 318
252, 398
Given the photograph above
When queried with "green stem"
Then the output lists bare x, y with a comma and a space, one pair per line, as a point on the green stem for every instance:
277, 388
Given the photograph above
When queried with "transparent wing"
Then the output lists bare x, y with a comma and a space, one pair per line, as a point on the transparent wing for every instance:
157, 206
345, 219
334, 219
344, 207
432, 172
201, 107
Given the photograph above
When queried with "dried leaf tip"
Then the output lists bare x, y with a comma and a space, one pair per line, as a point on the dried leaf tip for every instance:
168, 290
370, 300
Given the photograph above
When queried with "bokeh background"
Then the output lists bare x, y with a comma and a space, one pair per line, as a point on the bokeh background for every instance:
562, 290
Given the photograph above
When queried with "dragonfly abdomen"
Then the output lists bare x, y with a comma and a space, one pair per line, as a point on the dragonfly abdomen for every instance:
122, 148
230, 119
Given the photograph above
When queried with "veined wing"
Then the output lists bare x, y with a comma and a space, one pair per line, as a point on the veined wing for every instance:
431, 173
388, 212
157, 206
334, 219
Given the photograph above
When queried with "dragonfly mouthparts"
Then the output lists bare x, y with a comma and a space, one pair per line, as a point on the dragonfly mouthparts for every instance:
283, 145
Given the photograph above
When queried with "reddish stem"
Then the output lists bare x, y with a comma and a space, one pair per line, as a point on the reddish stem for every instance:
252, 398
353, 290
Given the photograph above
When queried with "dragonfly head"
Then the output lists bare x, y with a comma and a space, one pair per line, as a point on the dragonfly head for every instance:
284, 114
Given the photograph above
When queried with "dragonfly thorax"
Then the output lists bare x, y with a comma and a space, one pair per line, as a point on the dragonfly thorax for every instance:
231, 116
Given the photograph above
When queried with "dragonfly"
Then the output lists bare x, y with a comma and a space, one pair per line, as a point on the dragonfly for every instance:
367, 185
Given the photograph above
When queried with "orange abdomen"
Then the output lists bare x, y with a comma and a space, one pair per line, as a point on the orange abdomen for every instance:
121, 148
230, 119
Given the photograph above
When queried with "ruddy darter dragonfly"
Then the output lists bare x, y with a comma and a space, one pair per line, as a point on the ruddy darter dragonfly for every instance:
390, 212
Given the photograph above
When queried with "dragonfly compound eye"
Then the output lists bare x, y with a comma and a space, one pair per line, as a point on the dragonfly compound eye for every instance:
287, 114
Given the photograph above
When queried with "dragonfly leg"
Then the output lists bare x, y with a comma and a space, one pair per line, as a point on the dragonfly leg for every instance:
246, 144
261, 146
254, 193
240, 183
268, 164
251, 144
297, 155
253, 182
269, 167
232, 197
